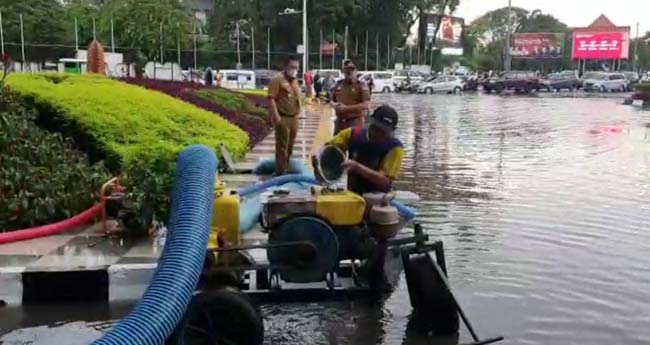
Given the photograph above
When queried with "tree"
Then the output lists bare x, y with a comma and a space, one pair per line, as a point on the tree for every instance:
83, 11
138, 23
41, 25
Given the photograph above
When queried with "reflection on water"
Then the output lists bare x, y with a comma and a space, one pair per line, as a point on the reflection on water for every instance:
542, 204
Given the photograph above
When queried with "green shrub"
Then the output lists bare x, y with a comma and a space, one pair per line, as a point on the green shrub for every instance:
254, 92
135, 131
119, 122
43, 179
234, 101
643, 87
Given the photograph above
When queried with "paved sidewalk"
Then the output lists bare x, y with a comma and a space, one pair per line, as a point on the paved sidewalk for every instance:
120, 269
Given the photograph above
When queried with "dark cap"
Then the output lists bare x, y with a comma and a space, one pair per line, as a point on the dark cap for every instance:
385, 117
348, 64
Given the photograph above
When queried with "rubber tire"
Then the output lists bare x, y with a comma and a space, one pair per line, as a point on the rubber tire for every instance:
238, 321
433, 304
386, 90
499, 88
457, 90
428, 91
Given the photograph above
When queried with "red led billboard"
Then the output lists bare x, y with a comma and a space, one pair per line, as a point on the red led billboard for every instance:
600, 45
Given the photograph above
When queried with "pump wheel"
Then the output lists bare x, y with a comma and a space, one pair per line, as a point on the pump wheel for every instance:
223, 316
433, 304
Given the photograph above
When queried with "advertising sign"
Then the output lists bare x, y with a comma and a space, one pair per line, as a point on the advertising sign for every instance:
540, 45
450, 34
600, 45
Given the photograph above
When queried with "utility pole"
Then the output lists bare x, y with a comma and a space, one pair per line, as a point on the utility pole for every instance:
366, 65
388, 53
238, 51
2, 36
305, 39
22, 40
320, 51
508, 62
253, 45
162, 54
378, 59
268, 48
194, 39
345, 54
333, 47
76, 35
112, 37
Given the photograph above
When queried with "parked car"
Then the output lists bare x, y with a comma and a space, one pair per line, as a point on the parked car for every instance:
589, 75
444, 84
399, 76
633, 78
520, 81
559, 81
605, 82
382, 80
471, 82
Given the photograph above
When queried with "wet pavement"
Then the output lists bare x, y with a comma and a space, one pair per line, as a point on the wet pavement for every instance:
542, 203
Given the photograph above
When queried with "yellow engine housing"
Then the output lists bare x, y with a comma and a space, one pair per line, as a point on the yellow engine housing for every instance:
225, 216
340, 208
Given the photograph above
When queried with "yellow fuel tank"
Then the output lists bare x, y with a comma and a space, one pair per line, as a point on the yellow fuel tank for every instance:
340, 208
225, 216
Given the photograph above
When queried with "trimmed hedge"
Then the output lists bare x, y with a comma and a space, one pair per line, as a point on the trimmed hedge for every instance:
231, 100
122, 123
256, 129
43, 179
133, 130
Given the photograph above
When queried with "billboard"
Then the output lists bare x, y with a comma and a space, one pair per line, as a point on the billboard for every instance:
449, 36
600, 45
541, 45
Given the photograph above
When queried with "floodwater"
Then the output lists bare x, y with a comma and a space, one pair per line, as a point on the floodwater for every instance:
542, 203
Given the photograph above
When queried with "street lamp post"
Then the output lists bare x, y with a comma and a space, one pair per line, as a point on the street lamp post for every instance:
290, 11
508, 61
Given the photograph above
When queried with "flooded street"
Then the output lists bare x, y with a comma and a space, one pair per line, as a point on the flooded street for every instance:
542, 204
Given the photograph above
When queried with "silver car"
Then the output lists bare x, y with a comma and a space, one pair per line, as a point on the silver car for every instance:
444, 84
605, 82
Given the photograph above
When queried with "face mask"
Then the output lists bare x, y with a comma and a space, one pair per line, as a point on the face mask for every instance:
292, 73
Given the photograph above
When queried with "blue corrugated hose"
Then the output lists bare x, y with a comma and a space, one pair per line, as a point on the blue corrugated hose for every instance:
163, 304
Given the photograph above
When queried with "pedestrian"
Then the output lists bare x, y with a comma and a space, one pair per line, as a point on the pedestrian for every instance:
218, 78
328, 84
350, 99
309, 83
284, 109
208, 78
318, 85
371, 83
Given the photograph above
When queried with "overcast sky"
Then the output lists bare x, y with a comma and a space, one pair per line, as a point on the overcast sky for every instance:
575, 13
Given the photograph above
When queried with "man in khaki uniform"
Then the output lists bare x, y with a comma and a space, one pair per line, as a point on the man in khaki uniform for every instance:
350, 99
284, 110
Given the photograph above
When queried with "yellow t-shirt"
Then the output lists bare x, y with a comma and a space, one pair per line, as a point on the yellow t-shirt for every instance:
391, 164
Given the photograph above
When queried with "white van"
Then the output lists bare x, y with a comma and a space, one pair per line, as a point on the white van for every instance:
237, 79
383, 81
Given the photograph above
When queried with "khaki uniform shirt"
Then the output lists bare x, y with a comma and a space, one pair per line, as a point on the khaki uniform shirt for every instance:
351, 94
286, 95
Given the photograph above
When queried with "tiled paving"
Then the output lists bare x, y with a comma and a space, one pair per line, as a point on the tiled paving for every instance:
131, 261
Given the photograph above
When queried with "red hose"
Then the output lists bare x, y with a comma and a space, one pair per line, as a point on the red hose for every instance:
51, 229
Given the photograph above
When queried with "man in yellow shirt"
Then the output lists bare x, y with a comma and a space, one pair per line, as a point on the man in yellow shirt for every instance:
375, 155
